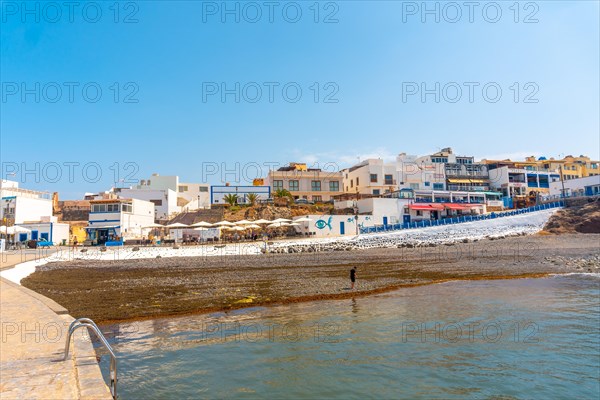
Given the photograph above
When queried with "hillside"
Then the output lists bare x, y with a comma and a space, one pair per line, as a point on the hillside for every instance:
584, 218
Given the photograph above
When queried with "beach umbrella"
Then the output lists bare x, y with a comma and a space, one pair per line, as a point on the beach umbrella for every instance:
201, 228
3, 229
224, 223
262, 221
16, 229
294, 224
278, 225
202, 224
281, 220
303, 219
244, 222
176, 225
253, 226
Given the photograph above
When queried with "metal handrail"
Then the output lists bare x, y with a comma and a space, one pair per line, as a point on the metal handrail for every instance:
81, 322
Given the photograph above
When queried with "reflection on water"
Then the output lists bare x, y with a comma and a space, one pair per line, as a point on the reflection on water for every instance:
529, 338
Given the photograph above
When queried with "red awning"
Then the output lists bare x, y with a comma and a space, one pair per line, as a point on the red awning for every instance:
426, 206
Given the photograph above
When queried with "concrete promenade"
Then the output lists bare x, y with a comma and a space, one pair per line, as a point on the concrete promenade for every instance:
33, 334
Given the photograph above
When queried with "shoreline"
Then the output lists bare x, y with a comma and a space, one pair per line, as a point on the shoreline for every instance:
141, 289
325, 297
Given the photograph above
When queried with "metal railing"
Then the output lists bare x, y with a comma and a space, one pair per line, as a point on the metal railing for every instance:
86, 322
457, 219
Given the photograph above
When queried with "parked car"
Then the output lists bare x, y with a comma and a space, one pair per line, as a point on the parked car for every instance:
302, 201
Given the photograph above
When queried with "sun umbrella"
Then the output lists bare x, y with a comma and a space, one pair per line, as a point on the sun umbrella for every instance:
303, 219
262, 221
294, 224
176, 225
244, 222
202, 224
224, 223
253, 226
16, 229
281, 220
278, 225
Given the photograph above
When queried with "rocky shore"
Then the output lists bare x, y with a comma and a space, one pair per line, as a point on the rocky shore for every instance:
147, 288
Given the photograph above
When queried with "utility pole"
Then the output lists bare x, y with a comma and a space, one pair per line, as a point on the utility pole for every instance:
562, 182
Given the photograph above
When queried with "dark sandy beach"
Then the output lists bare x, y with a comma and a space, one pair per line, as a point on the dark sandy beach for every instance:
138, 289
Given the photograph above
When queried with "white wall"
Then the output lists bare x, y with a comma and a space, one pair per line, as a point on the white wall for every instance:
168, 198
31, 209
329, 225
142, 215
574, 185
57, 232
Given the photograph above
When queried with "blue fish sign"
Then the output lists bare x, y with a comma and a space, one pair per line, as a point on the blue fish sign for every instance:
321, 224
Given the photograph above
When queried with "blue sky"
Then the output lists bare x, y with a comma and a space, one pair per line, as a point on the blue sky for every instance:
176, 51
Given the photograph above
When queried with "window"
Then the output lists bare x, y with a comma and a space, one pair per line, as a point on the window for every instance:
204, 189
334, 186
99, 208
419, 213
126, 207
352, 183
294, 186
315, 186
439, 159
317, 198
277, 185
156, 202
112, 207
183, 189
389, 179
357, 181
414, 186
438, 186
426, 183
373, 178
376, 192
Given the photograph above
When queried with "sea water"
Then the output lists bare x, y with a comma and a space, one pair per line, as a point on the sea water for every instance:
509, 339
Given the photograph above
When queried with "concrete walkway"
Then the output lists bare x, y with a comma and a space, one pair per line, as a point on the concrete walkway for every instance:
33, 334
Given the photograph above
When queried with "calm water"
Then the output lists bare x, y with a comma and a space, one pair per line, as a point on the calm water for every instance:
509, 339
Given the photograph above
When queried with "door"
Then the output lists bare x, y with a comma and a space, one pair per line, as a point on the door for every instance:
45, 236
406, 219
102, 236
342, 228
34, 235
22, 237
385, 221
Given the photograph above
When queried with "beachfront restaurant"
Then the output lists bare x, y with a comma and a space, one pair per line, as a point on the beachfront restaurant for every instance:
112, 221
420, 211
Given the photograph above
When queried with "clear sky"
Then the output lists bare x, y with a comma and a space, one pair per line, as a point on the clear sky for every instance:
370, 61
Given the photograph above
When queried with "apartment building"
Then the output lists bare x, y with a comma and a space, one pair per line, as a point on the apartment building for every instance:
370, 177
312, 184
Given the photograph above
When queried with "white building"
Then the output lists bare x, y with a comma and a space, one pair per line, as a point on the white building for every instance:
48, 229
112, 220
190, 195
588, 186
165, 201
22, 205
520, 182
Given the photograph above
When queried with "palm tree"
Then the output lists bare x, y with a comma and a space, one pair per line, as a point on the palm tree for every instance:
231, 199
283, 195
252, 198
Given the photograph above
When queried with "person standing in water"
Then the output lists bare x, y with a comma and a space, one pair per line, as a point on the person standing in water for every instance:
352, 277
